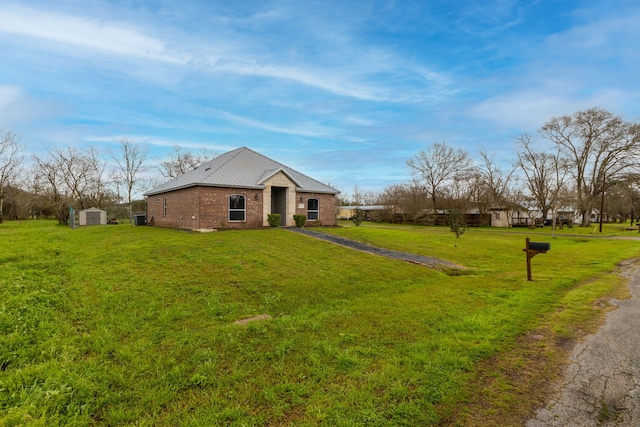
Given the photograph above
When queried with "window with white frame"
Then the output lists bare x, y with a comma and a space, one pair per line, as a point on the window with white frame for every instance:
313, 209
237, 207
164, 207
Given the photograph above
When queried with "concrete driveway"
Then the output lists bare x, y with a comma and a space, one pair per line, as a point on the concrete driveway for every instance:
358, 246
602, 384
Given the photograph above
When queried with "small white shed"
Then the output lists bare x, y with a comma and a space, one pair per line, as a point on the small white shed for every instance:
92, 216
500, 217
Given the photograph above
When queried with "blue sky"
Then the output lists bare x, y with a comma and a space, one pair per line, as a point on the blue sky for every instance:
344, 91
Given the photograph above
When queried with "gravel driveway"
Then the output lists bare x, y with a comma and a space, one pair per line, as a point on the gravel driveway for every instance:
601, 387
403, 256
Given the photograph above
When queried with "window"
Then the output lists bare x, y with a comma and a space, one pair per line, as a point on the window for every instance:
164, 207
496, 215
237, 207
313, 207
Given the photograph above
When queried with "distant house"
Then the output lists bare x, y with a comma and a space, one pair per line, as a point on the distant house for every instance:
501, 217
504, 217
239, 189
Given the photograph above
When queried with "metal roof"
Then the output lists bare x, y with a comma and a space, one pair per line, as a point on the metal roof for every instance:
241, 168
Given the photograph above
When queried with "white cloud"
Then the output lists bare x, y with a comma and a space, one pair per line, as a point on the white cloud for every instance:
156, 142
9, 95
358, 120
602, 38
481, 18
530, 109
17, 108
345, 70
328, 80
593, 64
310, 129
85, 32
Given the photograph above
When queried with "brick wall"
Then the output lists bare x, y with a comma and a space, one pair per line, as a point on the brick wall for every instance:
181, 209
214, 208
208, 208
327, 204
203, 208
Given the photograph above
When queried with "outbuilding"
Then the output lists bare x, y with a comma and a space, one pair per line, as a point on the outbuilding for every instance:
92, 216
240, 189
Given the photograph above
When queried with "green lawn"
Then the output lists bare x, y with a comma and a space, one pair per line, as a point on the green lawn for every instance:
123, 325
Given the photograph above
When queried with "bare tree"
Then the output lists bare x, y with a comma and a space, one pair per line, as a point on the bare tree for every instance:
180, 162
391, 198
598, 146
97, 191
499, 184
70, 177
479, 194
10, 160
438, 166
75, 170
47, 177
360, 197
460, 194
35, 187
545, 174
130, 164
407, 200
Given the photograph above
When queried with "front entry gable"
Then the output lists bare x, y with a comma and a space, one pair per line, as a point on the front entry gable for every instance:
279, 197
268, 175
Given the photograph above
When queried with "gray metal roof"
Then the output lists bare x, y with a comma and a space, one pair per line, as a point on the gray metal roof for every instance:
241, 168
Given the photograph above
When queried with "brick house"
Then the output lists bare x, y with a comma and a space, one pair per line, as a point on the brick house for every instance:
239, 189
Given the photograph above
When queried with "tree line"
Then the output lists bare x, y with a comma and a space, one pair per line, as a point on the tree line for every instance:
570, 165
46, 186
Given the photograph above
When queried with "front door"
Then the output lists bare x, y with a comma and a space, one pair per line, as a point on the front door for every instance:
279, 203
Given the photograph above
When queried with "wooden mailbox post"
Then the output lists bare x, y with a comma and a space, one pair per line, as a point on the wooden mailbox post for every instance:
533, 249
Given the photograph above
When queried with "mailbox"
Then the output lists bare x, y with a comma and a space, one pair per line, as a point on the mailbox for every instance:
532, 249
539, 246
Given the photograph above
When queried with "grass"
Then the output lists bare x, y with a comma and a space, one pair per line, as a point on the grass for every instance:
122, 325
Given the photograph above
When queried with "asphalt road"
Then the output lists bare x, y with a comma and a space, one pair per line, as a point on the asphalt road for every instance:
602, 384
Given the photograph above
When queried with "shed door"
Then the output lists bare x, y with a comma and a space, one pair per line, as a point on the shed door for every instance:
93, 218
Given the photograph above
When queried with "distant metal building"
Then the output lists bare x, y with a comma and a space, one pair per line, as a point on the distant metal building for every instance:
92, 216
347, 212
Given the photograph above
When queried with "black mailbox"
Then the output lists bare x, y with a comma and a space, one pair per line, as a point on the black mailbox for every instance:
539, 246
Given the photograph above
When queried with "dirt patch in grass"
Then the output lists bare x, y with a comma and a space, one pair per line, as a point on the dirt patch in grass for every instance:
248, 320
